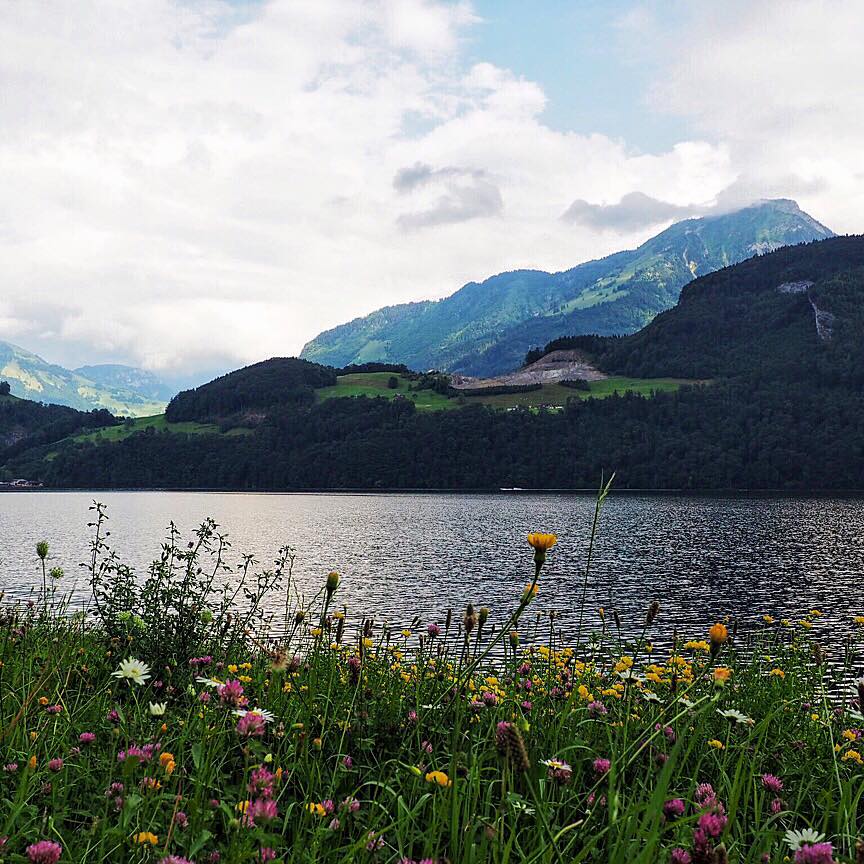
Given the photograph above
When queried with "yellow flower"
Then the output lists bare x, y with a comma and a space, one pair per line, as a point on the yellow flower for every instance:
316, 632
232, 668
143, 837
852, 756
859, 619
43, 700
717, 745
806, 624
814, 717
368, 643
778, 673
31, 762
701, 645
530, 591
722, 674
439, 777
242, 806
815, 613
850, 735
542, 542
718, 633
316, 809
767, 619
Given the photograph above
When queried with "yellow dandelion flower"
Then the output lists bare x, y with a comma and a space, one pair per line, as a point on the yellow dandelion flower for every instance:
440, 778
718, 633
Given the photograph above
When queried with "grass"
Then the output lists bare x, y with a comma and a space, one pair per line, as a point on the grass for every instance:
446, 741
375, 384
158, 423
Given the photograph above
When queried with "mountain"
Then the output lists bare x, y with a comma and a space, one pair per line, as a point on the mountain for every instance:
771, 346
115, 376
486, 328
31, 377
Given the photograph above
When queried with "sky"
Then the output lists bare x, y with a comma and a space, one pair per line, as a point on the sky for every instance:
191, 185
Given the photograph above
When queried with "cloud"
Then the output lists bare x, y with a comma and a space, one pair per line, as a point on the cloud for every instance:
778, 83
469, 194
189, 184
634, 211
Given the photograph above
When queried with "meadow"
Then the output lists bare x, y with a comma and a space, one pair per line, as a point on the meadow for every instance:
178, 720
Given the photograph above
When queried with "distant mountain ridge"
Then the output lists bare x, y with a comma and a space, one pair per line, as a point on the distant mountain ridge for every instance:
486, 328
122, 390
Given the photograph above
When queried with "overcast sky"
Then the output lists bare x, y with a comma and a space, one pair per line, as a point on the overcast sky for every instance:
193, 184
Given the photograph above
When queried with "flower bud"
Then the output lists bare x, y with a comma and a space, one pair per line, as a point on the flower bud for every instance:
332, 583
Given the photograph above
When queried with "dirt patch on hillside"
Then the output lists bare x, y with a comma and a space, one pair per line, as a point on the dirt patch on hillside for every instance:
555, 366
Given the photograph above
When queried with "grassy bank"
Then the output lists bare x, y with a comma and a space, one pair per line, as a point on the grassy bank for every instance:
173, 724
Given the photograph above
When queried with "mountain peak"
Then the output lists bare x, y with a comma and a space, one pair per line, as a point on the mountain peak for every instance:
486, 327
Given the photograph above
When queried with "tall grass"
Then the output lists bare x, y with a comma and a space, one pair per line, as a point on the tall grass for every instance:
452, 741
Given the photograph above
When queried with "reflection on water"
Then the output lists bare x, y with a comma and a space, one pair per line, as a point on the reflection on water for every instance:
406, 554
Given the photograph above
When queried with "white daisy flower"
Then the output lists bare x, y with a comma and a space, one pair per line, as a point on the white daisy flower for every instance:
214, 683
736, 716
133, 670
796, 839
266, 716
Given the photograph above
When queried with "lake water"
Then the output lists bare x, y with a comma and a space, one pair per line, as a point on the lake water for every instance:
407, 554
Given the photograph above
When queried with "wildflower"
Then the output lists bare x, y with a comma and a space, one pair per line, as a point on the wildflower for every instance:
433, 630
231, 693
680, 856
530, 591
374, 842
818, 853
44, 852
796, 839
601, 766
250, 725
736, 717
776, 806
332, 583
262, 810
674, 808
267, 716
157, 709
440, 778
42, 552
316, 809
722, 674
143, 837
768, 619
86, 737
53, 709
55, 765
174, 859
853, 756
772, 783
558, 770
133, 670
778, 673
717, 745
31, 762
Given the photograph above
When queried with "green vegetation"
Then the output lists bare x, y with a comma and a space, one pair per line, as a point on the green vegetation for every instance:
157, 423
208, 714
374, 384
486, 328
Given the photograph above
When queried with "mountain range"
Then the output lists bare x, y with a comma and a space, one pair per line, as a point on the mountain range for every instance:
122, 390
765, 359
486, 328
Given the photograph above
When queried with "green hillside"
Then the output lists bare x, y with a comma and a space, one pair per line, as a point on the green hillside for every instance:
486, 328
116, 389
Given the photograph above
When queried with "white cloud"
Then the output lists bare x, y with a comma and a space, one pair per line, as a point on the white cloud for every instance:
779, 82
185, 184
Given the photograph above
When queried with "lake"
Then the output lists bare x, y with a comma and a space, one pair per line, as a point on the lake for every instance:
407, 554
